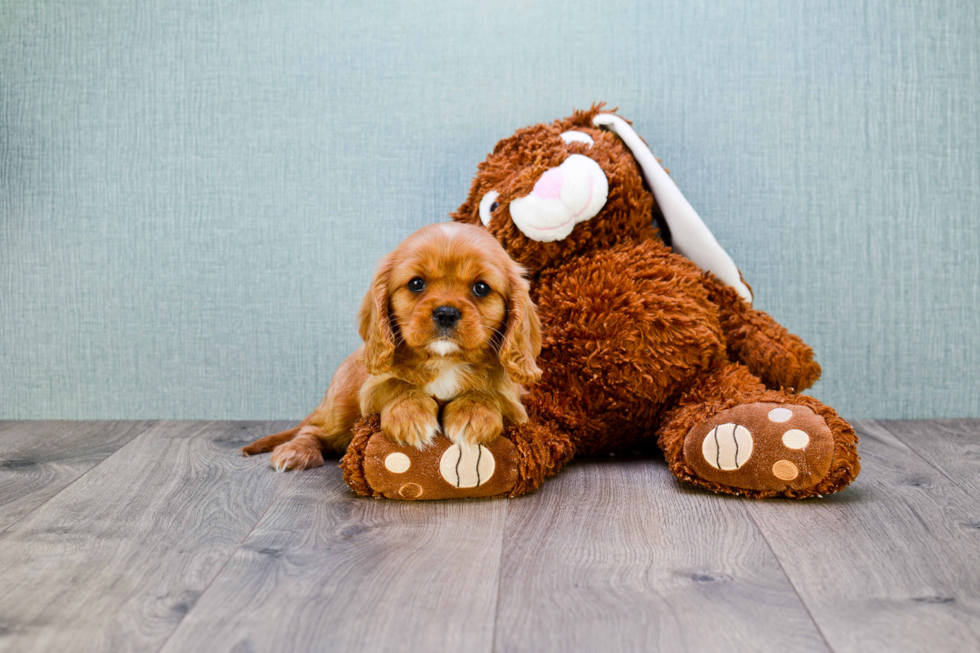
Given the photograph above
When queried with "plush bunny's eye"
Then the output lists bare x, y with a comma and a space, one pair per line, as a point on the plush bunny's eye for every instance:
578, 137
488, 205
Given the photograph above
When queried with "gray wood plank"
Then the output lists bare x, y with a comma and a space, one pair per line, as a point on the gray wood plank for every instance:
39, 459
616, 555
117, 559
153, 546
891, 563
950, 445
326, 570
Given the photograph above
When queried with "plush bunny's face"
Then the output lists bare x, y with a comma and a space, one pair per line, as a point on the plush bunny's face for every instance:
551, 191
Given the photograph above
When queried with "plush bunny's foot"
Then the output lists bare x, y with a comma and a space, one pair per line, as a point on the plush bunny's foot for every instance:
376, 465
762, 447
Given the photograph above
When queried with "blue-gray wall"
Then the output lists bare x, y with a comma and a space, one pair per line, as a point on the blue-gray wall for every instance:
193, 194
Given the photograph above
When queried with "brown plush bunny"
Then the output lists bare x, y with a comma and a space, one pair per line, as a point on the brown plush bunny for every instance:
641, 341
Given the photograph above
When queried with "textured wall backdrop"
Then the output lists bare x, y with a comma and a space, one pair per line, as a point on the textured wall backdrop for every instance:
193, 194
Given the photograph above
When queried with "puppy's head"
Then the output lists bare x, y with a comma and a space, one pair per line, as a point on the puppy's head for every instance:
451, 290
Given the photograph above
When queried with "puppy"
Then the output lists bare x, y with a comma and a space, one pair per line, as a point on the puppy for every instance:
449, 331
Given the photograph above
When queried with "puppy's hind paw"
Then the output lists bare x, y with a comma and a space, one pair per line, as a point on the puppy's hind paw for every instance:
296, 455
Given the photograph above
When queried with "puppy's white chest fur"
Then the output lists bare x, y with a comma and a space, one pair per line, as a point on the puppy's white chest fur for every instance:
447, 382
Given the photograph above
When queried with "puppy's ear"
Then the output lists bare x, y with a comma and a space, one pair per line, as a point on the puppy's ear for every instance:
375, 324
522, 335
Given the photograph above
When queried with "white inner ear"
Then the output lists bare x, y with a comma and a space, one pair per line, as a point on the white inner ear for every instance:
691, 237
485, 205
577, 137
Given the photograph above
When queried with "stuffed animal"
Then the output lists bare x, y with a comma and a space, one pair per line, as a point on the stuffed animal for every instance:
643, 341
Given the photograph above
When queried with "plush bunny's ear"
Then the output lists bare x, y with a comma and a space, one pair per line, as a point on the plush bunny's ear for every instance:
690, 236
375, 324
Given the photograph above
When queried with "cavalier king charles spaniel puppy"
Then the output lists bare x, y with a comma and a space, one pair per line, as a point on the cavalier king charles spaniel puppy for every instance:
450, 335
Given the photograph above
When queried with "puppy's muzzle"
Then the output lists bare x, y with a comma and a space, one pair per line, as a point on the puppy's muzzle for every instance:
446, 316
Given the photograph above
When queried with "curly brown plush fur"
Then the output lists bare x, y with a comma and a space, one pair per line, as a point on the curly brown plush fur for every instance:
640, 345
353, 461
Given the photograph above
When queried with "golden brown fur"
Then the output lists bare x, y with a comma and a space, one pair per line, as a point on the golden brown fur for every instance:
412, 370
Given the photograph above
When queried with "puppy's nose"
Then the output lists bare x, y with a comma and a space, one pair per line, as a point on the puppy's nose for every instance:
446, 316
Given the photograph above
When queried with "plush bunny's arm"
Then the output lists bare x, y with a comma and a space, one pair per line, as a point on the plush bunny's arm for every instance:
690, 236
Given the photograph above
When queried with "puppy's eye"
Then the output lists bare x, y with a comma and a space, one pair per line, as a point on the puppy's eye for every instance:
488, 205
417, 284
481, 289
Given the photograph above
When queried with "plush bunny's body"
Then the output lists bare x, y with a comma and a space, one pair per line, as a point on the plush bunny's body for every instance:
641, 344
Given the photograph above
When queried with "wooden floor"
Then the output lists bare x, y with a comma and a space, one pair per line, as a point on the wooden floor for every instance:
158, 536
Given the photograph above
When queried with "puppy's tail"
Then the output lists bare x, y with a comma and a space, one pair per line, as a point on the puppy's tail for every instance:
270, 442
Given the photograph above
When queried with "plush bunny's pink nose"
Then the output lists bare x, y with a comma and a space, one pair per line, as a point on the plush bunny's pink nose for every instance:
562, 197
548, 186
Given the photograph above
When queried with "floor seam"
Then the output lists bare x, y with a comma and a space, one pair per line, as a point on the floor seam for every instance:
789, 578
915, 450
150, 426
500, 576
223, 565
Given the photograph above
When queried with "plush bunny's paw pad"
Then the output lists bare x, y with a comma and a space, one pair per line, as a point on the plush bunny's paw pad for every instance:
761, 446
442, 470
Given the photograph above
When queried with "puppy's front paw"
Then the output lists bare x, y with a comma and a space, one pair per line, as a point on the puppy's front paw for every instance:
472, 421
298, 454
412, 419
